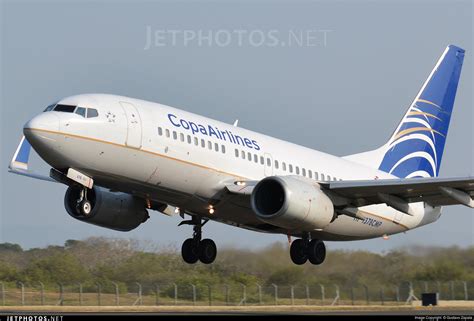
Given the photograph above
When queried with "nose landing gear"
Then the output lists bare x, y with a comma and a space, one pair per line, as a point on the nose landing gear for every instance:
84, 206
195, 248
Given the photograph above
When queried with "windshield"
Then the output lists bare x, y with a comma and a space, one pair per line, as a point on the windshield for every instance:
65, 108
81, 111
50, 107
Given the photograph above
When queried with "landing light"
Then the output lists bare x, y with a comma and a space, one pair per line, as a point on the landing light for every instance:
176, 210
211, 209
385, 237
240, 183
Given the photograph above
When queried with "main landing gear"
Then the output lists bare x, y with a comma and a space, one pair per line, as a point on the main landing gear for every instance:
195, 249
302, 250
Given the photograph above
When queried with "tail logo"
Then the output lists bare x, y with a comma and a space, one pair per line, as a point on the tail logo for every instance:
416, 148
417, 130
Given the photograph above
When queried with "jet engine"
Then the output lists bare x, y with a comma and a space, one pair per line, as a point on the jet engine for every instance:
292, 203
113, 210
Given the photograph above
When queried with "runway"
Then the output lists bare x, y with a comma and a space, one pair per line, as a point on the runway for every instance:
445, 308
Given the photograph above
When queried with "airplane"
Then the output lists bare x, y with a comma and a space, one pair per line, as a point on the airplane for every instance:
121, 157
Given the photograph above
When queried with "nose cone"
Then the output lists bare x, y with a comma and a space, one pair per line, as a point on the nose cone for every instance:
42, 132
43, 122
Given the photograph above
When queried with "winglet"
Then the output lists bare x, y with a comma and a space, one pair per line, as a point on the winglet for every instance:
19, 162
21, 156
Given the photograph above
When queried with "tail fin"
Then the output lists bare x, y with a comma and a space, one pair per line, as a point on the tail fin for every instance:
416, 147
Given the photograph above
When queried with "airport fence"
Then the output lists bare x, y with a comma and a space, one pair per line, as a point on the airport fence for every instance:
175, 294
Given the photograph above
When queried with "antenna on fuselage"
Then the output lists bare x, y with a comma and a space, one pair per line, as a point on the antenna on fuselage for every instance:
236, 123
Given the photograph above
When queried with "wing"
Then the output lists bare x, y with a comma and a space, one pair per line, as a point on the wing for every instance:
397, 193
434, 191
19, 162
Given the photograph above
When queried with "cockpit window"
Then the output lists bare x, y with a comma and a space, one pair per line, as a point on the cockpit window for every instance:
91, 112
65, 108
81, 111
50, 107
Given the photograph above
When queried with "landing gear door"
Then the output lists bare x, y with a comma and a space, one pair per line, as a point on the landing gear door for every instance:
268, 165
134, 125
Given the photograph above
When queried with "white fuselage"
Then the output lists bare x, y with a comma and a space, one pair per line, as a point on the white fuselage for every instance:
170, 155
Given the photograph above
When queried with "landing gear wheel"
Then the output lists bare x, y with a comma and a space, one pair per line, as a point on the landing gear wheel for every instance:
298, 252
207, 251
316, 252
189, 251
195, 249
85, 207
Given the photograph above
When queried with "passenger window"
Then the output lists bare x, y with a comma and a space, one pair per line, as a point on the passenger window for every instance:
276, 164
216, 147
223, 149
249, 156
290, 167
255, 158
209, 144
269, 162
236, 152
262, 161
175, 135
196, 141
189, 139
316, 176
168, 133
242, 153
81, 111
203, 143
322, 177
329, 178
310, 173
181, 137
297, 170
91, 113
283, 165
303, 172
160, 131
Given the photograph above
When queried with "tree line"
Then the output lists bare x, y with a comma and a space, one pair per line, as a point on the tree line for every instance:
104, 260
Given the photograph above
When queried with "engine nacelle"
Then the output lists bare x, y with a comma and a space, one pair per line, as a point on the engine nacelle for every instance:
116, 211
292, 203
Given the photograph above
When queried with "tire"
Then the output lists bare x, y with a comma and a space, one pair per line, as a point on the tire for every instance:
316, 252
85, 207
298, 252
189, 251
207, 251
